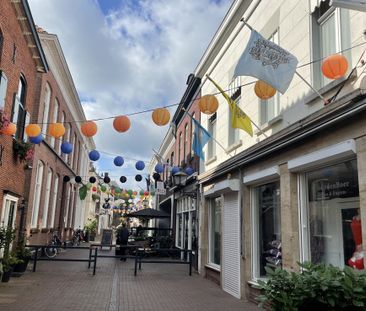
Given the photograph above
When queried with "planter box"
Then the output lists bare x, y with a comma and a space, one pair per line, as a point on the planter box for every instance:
6, 276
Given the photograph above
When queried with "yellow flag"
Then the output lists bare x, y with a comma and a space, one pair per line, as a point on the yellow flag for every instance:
239, 119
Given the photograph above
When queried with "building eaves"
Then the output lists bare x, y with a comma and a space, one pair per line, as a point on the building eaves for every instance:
28, 27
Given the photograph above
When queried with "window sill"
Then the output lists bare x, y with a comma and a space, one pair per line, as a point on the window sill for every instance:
213, 267
234, 146
211, 160
264, 127
313, 97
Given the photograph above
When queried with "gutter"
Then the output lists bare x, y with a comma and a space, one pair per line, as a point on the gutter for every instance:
346, 107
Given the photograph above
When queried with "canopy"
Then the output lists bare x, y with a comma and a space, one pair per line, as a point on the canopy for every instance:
148, 213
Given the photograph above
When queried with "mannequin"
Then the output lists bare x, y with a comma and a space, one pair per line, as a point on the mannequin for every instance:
356, 261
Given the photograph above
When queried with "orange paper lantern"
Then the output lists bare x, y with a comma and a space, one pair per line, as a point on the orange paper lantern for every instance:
263, 90
335, 66
208, 104
161, 116
56, 130
33, 130
10, 130
89, 128
121, 124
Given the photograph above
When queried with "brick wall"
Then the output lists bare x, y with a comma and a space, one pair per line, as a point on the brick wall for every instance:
12, 173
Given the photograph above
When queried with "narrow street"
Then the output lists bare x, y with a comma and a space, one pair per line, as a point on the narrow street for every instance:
71, 286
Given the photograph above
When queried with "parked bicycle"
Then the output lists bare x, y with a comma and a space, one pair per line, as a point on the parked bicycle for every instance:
78, 237
54, 247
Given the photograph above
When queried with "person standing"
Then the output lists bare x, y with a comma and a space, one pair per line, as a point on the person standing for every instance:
123, 240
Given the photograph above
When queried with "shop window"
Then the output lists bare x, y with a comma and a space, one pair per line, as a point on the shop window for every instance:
331, 216
270, 108
37, 194
215, 232
3, 88
331, 34
211, 145
267, 249
19, 113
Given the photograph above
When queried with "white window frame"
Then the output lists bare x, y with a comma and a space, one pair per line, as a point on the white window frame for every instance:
54, 120
5, 209
211, 144
3, 88
264, 116
255, 228
66, 216
233, 133
47, 198
37, 194
54, 201
46, 108
212, 203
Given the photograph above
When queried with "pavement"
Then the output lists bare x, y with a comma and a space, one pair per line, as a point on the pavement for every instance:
71, 286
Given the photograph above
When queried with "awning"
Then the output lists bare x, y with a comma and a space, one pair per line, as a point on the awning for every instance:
148, 213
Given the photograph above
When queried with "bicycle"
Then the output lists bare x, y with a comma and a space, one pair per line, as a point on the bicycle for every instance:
77, 238
53, 248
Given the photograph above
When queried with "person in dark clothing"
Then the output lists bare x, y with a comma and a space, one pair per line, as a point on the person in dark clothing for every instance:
123, 239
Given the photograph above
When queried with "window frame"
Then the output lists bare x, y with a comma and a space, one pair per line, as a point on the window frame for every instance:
5, 210
3, 89
211, 144
47, 198
37, 194
255, 229
212, 205
54, 200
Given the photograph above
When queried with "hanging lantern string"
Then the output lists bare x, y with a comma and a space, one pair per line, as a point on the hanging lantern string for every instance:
216, 93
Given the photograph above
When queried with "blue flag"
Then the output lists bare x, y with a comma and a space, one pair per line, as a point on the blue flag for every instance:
200, 139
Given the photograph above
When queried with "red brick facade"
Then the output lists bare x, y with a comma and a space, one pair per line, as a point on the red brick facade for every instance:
17, 59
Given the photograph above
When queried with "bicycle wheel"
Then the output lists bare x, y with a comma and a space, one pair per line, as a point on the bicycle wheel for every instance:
50, 251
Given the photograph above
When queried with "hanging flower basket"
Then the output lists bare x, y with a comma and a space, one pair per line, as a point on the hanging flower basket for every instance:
24, 151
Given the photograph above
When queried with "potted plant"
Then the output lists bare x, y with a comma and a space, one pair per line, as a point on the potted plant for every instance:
24, 255
7, 235
91, 229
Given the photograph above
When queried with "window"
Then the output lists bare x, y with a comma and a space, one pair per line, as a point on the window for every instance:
46, 108
67, 205
54, 202
3, 88
180, 147
270, 108
215, 232
192, 130
47, 198
331, 34
1, 43
72, 154
266, 228
9, 210
54, 120
67, 136
235, 94
186, 146
331, 215
211, 145
37, 194
19, 113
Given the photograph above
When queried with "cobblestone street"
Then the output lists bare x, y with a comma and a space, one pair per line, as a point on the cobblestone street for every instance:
71, 286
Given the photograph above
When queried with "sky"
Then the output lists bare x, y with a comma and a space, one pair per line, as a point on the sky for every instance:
127, 56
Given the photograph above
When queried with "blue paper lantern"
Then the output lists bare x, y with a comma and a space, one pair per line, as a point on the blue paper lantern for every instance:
66, 147
140, 165
36, 140
159, 168
94, 155
175, 170
189, 171
118, 161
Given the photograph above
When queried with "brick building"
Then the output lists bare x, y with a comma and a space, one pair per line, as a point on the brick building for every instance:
54, 204
21, 59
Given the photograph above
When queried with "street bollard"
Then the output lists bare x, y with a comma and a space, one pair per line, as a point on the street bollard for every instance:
35, 260
95, 259
90, 256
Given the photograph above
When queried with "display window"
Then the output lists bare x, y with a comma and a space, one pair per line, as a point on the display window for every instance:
215, 232
331, 216
267, 247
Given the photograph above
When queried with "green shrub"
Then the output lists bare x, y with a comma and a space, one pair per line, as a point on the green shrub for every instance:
317, 287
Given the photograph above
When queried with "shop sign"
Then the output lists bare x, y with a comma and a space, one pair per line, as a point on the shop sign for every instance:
160, 189
327, 190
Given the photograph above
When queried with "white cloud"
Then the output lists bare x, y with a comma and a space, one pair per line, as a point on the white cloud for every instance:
137, 57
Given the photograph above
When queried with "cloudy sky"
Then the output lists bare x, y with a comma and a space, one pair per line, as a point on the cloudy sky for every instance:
127, 56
